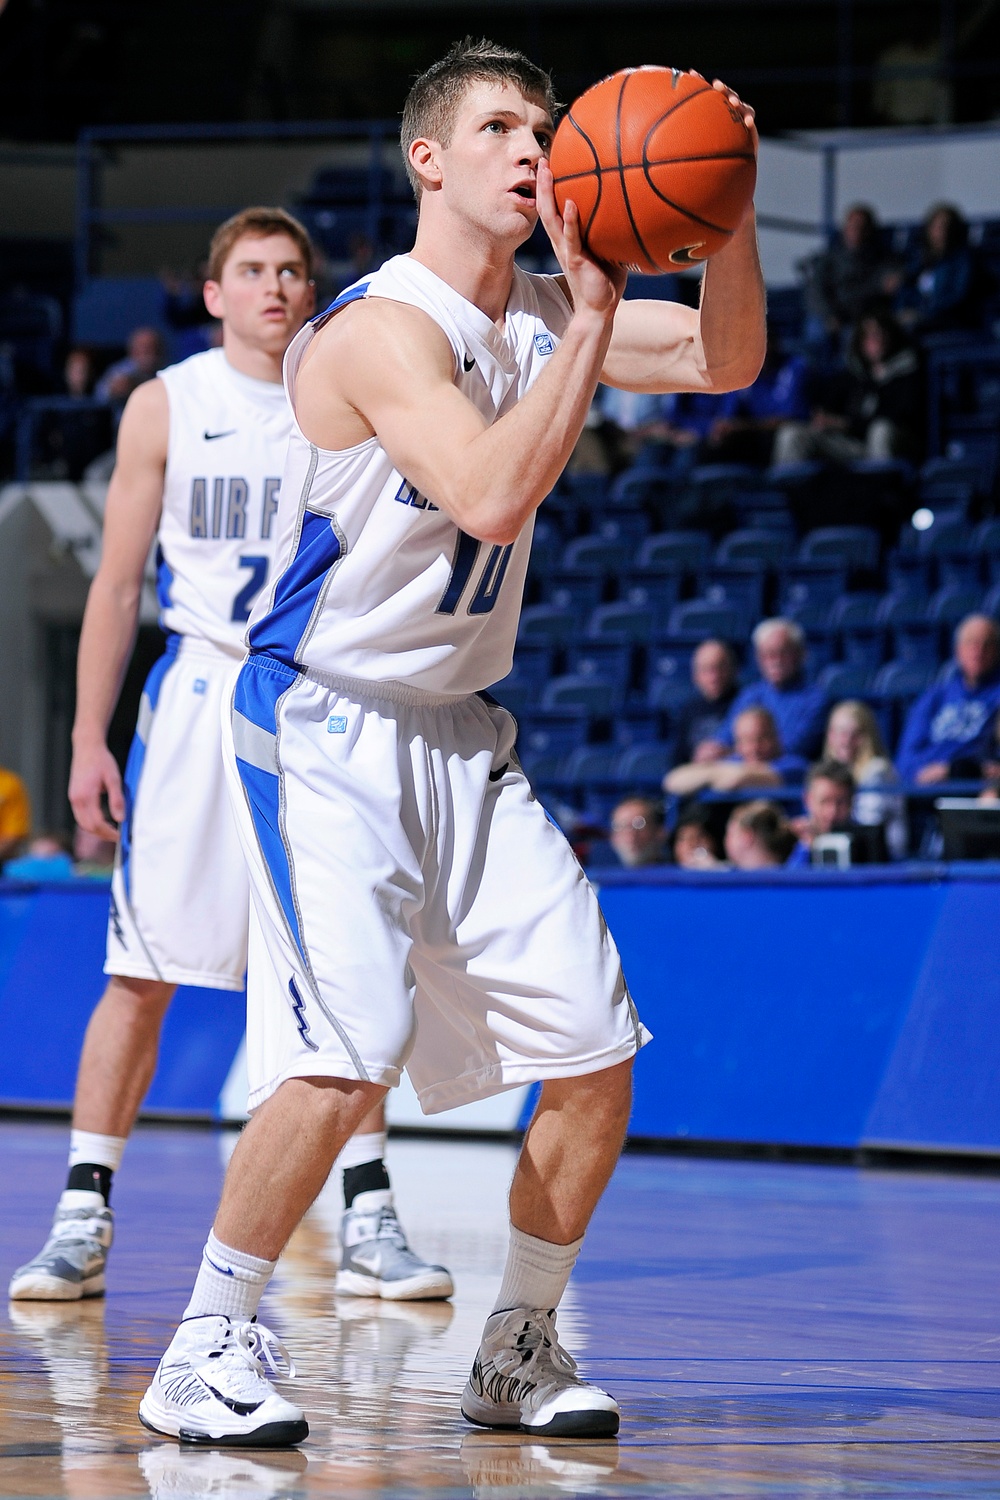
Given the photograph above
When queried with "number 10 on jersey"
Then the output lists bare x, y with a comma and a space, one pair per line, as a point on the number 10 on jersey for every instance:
488, 588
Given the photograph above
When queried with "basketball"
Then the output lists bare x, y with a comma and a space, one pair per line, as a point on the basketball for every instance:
660, 165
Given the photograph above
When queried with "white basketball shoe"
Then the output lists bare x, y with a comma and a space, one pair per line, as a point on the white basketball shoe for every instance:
210, 1387
523, 1378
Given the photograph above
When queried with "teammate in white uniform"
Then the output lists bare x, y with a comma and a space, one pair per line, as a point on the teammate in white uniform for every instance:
412, 905
200, 457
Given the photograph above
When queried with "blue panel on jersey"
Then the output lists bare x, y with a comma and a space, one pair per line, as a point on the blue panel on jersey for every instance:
258, 688
350, 294
137, 749
164, 580
297, 591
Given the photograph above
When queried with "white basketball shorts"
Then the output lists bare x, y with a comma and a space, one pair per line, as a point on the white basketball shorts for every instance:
411, 902
179, 893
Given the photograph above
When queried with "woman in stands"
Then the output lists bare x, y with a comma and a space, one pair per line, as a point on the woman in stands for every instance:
939, 292
854, 738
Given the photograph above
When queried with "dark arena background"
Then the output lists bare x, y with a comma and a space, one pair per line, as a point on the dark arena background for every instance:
757, 684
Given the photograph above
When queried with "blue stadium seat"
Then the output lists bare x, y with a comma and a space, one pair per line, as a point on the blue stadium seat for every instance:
949, 533
841, 679
674, 551
751, 548
582, 693
657, 593
919, 641
950, 471
801, 584
637, 726
697, 619
853, 610
715, 482
901, 679
901, 608
960, 570
668, 679
844, 546
516, 694
908, 573
864, 646
595, 556
991, 603
581, 595
623, 621
643, 487
743, 590
551, 734
533, 662
601, 659
949, 605
588, 763
543, 767
629, 526
547, 624
644, 764
586, 489
986, 537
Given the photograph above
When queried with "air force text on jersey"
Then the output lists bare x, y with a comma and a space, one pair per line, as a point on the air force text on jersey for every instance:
227, 506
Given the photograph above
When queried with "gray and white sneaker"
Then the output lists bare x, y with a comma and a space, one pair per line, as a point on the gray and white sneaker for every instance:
210, 1387
71, 1263
376, 1261
523, 1378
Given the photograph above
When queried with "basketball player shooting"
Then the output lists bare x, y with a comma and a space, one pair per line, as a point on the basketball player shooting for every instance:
412, 904
199, 461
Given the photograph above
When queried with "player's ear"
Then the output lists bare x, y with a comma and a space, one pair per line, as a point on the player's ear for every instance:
425, 159
212, 293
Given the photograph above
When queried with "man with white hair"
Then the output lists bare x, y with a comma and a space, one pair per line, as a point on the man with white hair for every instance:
798, 709
949, 731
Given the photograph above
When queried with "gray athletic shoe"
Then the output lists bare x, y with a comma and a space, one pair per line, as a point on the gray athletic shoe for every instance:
523, 1378
376, 1261
71, 1263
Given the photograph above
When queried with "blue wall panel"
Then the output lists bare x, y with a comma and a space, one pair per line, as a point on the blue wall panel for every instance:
805, 1008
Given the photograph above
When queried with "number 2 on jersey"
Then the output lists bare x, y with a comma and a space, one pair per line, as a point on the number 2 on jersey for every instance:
243, 603
490, 583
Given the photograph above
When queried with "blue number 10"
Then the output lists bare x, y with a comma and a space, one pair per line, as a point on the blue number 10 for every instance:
490, 583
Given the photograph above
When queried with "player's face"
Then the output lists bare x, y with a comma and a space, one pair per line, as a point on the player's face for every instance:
264, 294
488, 168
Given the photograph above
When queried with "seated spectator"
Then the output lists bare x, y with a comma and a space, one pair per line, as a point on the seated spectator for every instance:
940, 291
694, 844
143, 360
698, 723
948, 732
744, 430
15, 814
757, 760
78, 373
846, 279
853, 738
798, 710
46, 857
829, 797
758, 837
638, 835
874, 409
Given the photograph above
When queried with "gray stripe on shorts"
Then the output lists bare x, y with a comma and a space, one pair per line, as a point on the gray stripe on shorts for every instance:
254, 745
144, 722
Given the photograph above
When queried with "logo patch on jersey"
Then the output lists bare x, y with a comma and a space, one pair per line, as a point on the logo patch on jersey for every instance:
200, 685
336, 724
468, 363
544, 344
210, 437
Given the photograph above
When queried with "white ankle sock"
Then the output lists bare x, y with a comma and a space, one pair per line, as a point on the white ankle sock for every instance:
536, 1272
102, 1150
229, 1281
362, 1148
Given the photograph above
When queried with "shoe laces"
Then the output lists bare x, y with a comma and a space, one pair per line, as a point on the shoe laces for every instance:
76, 1224
535, 1355
252, 1346
389, 1228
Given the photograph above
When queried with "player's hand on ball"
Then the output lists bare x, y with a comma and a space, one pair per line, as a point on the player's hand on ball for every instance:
592, 283
746, 113
95, 773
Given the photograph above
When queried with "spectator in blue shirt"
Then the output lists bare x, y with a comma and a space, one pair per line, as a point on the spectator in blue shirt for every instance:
828, 798
757, 759
940, 292
949, 730
799, 710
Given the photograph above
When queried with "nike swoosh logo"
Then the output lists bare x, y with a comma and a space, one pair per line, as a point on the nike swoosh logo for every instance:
222, 1270
468, 364
685, 258
501, 771
210, 437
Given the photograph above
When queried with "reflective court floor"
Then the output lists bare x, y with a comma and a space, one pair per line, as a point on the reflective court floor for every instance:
770, 1330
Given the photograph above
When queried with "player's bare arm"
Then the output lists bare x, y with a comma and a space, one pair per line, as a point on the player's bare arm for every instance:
382, 367
658, 347
131, 517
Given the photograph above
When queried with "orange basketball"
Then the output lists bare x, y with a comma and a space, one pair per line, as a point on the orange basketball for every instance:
660, 165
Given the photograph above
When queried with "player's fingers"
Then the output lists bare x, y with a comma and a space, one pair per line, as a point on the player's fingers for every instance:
116, 799
545, 202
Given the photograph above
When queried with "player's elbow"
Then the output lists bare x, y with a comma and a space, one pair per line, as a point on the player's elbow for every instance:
735, 374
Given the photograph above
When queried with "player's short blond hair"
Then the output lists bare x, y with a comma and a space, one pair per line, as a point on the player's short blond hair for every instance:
257, 223
433, 101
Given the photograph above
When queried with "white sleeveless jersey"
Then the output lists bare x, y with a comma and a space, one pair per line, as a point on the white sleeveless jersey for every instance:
375, 582
226, 451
